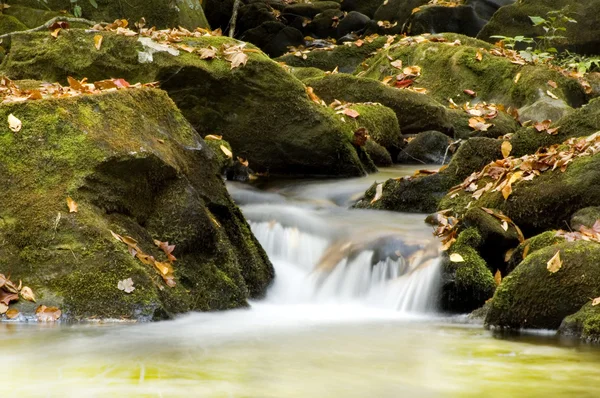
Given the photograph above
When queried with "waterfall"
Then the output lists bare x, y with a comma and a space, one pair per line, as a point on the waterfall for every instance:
403, 278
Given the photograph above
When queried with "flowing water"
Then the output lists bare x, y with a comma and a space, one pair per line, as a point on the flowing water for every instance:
351, 314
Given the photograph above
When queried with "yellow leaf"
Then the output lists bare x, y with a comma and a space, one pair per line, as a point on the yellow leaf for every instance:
456, 258
98, 41
14, 124
506, 148
397, 64
596, 301
27, 294
213, 137
498, 277
525, 251
551, 94
507, 190
555, 263
479, 56
73, 206
378, 193
226, 151
517, 78
12, 313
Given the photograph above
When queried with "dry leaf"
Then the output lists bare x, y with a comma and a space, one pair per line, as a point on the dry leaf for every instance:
456, 258
470, 92
213, 137
237, 59
208, 53
551, 95
226, 151
525, 251
378, 193
12, 313
596, 301
497, 277
73, 206
517, 78
552, 84
555, 263
506, 149
47, 314
479, 56
397, 64
504, 225
351, 113
3, 308
14, 124
27, 294
7, 297
98, 41
126, 285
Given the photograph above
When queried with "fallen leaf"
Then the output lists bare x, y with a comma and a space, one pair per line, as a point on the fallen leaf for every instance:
517, 78
207, 53
504, 225
506, 149
552, 84
237, 59
456, 258
479, 56
14, 124
166, 248
378, 193
213, 137
12, 313
226, 151
470, 92
3, 308
75, 84
73, 206
98, 41
55, 33
551, 94
497, 277
397, 64
555, 263
351, 113
7, 297
525, 251
596, 301
47, 314
27, 294
126, 285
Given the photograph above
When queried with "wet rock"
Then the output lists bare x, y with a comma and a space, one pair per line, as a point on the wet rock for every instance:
468, 284
260, 109
428, 147
584, 324
378, 154
585, 217
396, 12
437, 19
545, 108
582, 37
136, 167
274, 38
354, 22
533, 297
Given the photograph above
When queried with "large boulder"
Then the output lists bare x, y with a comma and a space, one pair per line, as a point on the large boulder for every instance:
582, 37
449, 69
396, 13
428, 147
136, 167
159, 13
534, 297
415, 112
259, 108
584, 324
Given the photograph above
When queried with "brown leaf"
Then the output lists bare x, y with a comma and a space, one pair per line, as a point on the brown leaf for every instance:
75, 84
237, 59
470, 92
506, 149
207, 53
3, 308
7, 297
12, 313
479, 56
72, 205
525, 251
27, 294
98, 41
14, 124
226, 151
555, 263
47, 314
351, 113
552, 84
498, 277
397, 64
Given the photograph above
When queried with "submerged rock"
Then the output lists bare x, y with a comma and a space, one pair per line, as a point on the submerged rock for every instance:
260, 109
135, 167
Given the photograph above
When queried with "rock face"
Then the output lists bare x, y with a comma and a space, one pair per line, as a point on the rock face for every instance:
533, 297
259, 108
160, 13
136, 167
582, 37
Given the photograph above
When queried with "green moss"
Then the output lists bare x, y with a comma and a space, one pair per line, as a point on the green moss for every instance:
380, 156
305, 73
533, 297
448, 70
584, 324
381, 122
466, 285
532, 245
10, 24
31, 17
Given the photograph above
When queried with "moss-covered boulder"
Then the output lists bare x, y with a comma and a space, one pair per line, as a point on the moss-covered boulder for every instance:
448, 70
533, 297
345, 57
259, 108
468, 284
8, 24
584, 324
378, 154
439, 18
367, 7
159, 13
581, 37
415, 112
423, 194
428, 147
501, 125
585, 217
381, 122
136, 167
396, 13
30, 17
530, 246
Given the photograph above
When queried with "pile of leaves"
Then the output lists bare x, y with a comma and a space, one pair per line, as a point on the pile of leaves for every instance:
165, 269
585, 233
481, 113
406, 78
11, 292
502, 174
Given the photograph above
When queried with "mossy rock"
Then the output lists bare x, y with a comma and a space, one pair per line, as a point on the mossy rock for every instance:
424, 194
31, 17
366, 7
502, 124
578, 123
159, 13
260, 109
460, 19
415, 112
397, 13
546, 202
466, 285
345, 57
584, 324
135, 166
224, 162
530, 246
448, 70
378, 154
305, 73
533, 297
381, 122
9, 24
310, 10
428, 147
585, 217
513, 20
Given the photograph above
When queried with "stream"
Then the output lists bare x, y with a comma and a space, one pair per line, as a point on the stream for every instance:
351, 314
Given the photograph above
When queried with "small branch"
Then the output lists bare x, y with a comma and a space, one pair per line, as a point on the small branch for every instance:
48, 24
233, 20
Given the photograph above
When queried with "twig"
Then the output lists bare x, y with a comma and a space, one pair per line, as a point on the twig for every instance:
233, 20
48, 24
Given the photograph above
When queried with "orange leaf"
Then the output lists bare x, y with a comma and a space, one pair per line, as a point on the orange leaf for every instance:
98, 41
47, 314
73, 206
351, 113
